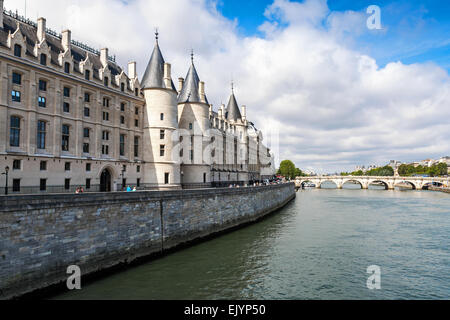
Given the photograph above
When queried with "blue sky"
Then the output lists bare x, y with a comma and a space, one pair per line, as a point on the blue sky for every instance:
414, 31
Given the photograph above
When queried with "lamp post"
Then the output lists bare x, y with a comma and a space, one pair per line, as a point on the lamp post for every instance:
6, 174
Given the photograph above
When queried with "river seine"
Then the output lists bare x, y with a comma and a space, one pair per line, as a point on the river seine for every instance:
318, 247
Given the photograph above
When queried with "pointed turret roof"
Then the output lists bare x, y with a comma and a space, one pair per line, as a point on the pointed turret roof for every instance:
233, 112
190, 91
154, 74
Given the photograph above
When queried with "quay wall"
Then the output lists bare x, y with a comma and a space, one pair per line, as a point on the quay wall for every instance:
41, 235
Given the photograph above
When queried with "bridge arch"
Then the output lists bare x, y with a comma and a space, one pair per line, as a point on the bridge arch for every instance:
354, 181
328, 181
414, 186
385, 184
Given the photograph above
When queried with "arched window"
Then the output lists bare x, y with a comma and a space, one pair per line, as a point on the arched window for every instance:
14, 133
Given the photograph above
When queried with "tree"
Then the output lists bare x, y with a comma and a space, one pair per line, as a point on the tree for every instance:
287, 169
298, 173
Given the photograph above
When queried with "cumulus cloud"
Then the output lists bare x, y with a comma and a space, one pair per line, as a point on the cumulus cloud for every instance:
333, 106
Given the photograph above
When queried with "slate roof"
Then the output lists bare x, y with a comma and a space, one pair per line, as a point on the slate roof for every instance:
190, 91
232, 111
154, 73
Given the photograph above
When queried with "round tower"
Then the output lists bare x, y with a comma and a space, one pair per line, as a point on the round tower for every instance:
160, 124
194, 123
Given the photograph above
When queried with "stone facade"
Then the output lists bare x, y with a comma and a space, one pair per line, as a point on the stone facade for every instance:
71, 117
43, 234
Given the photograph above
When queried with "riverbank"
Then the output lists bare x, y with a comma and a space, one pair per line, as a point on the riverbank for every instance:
440, 189
44, 234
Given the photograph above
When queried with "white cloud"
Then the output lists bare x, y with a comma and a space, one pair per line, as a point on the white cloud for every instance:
334, 107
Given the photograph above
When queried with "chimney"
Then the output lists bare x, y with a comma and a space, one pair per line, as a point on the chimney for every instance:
201, 89
132, 70
167, 75
66, 39
244, 113
222, 111
41, 26
1, 15
180, 84
104, 57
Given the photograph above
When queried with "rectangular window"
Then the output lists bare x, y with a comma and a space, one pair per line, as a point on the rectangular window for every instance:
42, 85
41, 134
190, 126
87, 75
105, 135
105, 116
43, 185
43, 166
14, 133
17, 50
42, 102
65, 137
136, 92
87, 97
88, 183
85, 147
17, 164
122, 107
162, 150
67, 184
136, 146
105, 149
16, 185
17, 78
66, 92
88, 167
122, 120
162, 116
191, 156
66, 107
122, 145
106, 102
138, 183
162, 134
87, 112
122, 87
86, 132
67, 166
106, 81
166, 178
136, 111
15, 96
136, 123
138, 169
43, 59
67, 67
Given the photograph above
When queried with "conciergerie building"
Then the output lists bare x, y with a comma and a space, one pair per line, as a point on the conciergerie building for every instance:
71, 117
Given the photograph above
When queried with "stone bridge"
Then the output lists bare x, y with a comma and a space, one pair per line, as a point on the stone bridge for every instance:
417, 183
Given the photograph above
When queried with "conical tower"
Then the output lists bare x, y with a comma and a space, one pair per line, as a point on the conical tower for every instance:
193, 113
161, 122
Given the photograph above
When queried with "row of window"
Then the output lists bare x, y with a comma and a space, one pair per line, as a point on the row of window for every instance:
17, 165
67, 184
67, 67
14, 138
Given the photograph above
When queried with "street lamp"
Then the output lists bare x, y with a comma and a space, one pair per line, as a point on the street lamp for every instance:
6, 173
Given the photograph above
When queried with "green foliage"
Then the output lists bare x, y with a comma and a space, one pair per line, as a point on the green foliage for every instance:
289, 171
386, 171
440, 169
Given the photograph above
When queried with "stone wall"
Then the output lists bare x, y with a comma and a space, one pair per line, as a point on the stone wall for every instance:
41, 235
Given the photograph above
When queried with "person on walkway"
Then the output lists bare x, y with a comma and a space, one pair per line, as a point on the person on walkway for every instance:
128, 189
134, 189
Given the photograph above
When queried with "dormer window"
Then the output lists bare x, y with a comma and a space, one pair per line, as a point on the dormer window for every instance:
122, 87
87, 75
136, 92
67, 67
43, 59
17, 50
106, 81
